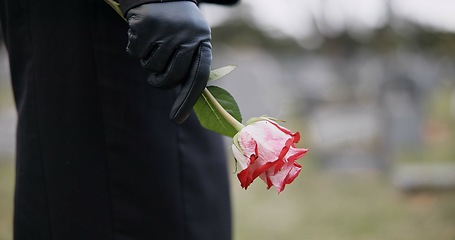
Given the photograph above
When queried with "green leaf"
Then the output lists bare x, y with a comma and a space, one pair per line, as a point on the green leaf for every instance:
211, 118
221, 72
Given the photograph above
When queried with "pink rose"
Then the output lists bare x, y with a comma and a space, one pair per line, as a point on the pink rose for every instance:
265, 149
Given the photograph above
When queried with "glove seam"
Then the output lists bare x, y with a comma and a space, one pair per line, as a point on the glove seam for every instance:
149, 57
171, 66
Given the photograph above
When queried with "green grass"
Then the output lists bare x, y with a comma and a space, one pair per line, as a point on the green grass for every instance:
6, 95
6, 196
322, 205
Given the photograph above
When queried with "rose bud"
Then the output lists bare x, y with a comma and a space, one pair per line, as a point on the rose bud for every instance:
267, 150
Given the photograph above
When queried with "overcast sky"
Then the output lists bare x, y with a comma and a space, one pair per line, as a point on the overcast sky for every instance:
297, 18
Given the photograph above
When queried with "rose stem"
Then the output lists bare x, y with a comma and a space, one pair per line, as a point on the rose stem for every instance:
228, 117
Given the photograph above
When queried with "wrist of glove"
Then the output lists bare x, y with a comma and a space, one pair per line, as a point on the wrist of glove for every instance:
172, 41
128, 4
221, 2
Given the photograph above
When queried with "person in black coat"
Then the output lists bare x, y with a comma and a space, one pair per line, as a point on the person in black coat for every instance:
99, 154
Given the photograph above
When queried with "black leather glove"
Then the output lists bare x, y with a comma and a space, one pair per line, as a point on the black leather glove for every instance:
172, 40
221, 2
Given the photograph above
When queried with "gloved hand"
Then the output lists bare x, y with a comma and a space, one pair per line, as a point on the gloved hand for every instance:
172, 40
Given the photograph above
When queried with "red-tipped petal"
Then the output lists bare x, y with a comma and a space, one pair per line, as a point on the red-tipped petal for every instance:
293, 173
269, 183
296, 136
284, 151
262, 169
244, 178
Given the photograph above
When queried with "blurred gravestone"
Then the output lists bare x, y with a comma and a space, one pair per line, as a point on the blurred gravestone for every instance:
417, 177
401, 114
347, 137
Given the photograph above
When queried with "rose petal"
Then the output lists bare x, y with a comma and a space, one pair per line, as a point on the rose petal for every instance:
281, 160
265, 149
244, 178
240, 157
285, 176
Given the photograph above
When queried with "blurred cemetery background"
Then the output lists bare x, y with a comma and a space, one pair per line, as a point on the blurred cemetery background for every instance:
370, 86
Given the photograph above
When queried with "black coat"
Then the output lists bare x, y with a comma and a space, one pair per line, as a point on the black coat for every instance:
97, 156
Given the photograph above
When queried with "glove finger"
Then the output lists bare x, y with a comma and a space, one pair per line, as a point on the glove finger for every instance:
139, 47
159, 55
194, 85
177, 69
